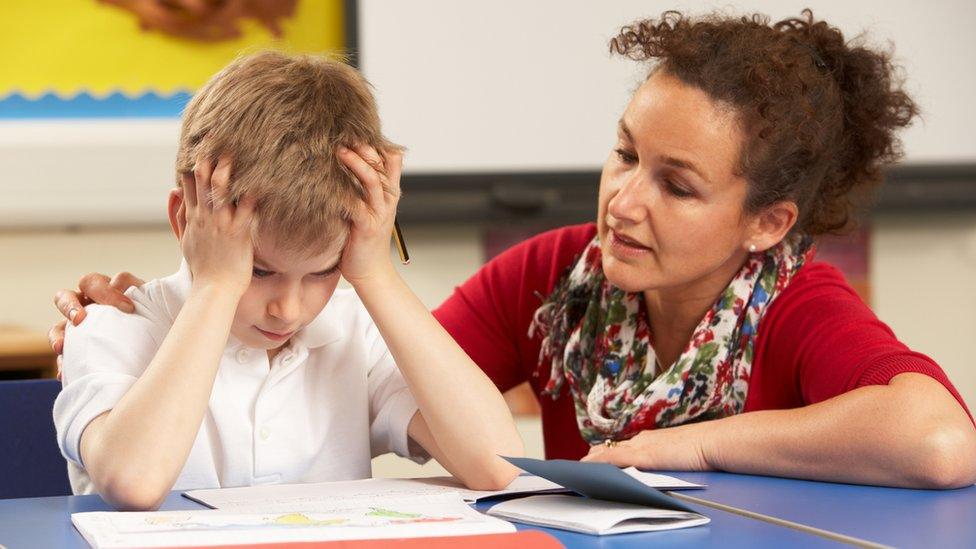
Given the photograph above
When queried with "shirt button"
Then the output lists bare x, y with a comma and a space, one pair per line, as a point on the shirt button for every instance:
242, 356
264, 433
287, 359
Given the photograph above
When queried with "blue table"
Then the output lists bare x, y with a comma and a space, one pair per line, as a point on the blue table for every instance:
46, 522
890, 516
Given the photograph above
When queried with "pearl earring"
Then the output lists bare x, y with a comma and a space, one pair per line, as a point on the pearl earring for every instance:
752, 248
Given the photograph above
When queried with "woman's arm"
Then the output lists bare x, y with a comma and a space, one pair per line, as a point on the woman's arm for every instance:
135, 451
464, 421
910, 433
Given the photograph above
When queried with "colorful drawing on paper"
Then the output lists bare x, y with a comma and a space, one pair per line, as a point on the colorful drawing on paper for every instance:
110, 58
373, 517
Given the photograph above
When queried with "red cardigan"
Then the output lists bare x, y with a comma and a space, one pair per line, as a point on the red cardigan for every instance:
816, 341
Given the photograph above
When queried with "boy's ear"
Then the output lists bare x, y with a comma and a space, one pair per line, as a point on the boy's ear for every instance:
176, 210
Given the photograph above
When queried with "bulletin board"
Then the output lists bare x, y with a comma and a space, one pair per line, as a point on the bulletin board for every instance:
88, 59
91, 94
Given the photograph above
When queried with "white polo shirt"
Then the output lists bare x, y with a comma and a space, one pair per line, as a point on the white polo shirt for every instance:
327, 403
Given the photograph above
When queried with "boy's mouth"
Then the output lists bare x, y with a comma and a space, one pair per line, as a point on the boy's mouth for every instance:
274, 336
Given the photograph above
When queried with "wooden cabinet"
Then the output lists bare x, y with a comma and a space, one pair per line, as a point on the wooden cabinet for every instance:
25, 354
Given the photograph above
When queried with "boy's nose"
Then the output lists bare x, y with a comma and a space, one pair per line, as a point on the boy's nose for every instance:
286, 306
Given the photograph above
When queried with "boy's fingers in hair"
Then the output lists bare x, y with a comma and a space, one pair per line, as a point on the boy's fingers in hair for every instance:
390, 188
189, 189
201, 175
371, 157
55, 337
69, 305
98, 288
245, 210
220, 182
394, 166
366, 175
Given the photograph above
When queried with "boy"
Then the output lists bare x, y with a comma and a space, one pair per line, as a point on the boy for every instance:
247, 366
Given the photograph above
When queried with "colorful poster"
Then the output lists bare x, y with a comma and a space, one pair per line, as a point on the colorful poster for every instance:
142, 58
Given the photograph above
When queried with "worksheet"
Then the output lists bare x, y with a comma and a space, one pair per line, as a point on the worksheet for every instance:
346, 518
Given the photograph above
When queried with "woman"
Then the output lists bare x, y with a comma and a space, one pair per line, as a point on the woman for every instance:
689, 327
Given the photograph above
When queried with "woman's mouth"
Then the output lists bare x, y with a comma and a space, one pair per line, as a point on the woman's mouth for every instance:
622, 245
274, 336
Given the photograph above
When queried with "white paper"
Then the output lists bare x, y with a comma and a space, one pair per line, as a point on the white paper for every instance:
593, 516
345, 519
661, 482
277, 497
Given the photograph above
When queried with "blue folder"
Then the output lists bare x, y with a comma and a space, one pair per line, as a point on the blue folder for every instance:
598, 481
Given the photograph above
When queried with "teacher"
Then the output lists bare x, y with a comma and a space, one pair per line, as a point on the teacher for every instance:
690, 327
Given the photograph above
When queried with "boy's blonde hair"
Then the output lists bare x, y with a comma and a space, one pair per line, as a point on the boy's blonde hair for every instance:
281, 118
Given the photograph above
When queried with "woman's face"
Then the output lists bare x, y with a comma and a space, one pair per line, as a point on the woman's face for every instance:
671, 206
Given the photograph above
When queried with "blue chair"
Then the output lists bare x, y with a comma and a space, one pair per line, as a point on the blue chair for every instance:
30, 463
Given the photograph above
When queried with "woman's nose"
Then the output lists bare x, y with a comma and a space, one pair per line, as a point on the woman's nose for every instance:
631, 201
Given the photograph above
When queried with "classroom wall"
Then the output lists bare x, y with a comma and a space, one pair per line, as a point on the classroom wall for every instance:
922, 273
922, 265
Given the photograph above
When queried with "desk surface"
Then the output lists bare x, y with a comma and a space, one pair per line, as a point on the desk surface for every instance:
46, 522
891, 516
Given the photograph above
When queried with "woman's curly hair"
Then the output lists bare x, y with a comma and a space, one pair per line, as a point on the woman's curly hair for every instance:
819, 113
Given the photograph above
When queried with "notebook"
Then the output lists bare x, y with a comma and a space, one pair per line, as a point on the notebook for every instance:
593, 516
615, 501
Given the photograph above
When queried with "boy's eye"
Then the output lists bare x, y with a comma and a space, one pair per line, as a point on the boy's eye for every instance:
326, 274
260, 273
625, 156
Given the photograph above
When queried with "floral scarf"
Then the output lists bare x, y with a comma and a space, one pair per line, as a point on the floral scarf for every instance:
596, 338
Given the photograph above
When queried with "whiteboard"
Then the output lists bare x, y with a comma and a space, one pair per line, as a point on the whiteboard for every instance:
512, 85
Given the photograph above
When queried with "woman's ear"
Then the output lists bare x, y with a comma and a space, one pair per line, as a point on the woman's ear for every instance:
176, 209
771, 225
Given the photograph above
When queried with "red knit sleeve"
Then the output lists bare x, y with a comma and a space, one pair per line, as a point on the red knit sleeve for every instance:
489, 314
827, 341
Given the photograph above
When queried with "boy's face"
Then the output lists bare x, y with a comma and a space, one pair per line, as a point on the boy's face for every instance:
287, 292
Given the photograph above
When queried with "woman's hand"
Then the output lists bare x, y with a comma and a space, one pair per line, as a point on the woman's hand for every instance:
671, 449
93, 288
366, 256
216, 239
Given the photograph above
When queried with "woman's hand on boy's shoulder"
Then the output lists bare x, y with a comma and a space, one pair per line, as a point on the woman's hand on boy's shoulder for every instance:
92, 288
366, 256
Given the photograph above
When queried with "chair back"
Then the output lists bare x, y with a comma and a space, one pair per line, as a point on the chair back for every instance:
31, 464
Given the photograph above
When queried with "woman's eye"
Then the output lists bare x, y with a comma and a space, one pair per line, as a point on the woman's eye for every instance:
678, 190
625, 156
258, 273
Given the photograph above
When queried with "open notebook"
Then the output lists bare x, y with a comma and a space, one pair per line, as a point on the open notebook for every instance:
613, 501
593, 516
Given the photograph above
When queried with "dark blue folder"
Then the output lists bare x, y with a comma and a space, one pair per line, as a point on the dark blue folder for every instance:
598, 481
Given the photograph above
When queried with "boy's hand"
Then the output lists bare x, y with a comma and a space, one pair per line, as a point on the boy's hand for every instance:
216, 240
367, 253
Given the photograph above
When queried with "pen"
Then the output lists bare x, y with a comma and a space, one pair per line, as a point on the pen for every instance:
400, 244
